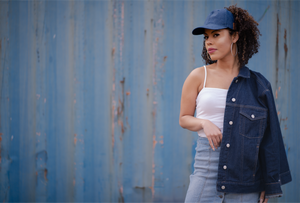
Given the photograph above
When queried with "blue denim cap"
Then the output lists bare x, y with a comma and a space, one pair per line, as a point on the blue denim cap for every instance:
216, 20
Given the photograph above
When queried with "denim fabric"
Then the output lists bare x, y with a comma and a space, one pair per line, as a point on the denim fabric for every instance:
252, 156
202, 187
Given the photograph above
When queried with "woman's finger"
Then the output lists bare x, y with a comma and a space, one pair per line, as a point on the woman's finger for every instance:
214, 140
262, 197
217, 138
211, 143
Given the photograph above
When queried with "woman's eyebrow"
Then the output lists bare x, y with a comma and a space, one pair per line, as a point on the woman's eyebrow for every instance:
211, 32
215, 31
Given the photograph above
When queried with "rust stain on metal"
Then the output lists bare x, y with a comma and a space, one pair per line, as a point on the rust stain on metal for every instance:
154, 142
127, 122
161, 141
153, 113
277, 49
283, 119
165, 58
45, 174
285, 46
120, 108
113, 51
121, 197
75, 139
276, 92
113, 126
277, 33
284, 34
127, 93
153, 166
120, 122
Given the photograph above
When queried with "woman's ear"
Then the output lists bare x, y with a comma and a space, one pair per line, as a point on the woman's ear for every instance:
235, 37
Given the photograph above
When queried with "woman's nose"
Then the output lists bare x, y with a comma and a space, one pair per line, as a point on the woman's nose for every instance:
208, 42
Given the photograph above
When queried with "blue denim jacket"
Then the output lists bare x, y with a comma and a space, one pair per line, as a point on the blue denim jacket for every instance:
252, 156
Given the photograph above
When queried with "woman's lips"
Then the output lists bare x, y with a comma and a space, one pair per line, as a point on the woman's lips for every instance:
211, 50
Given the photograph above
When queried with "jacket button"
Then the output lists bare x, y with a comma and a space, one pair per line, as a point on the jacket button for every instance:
252, 116
228, 145
233, 99
225, 167
236, 80
230, 122
223, 187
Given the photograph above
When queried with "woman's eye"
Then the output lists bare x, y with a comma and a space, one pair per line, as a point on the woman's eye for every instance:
216, 35
205, 37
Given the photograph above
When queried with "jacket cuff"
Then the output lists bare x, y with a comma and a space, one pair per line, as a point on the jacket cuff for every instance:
273, 189
285, 177
273, 196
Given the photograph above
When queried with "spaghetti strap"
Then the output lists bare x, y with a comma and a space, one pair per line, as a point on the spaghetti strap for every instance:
204, 77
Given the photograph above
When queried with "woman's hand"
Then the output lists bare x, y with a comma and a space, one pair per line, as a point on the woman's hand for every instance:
213, 134
262, 197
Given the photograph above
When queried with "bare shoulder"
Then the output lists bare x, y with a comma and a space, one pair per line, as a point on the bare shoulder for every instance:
197, 74
196, 78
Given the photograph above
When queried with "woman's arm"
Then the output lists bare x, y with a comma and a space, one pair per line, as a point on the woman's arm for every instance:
188, 101
188, 105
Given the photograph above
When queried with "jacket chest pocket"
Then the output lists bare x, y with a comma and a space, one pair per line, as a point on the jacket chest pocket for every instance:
252, 122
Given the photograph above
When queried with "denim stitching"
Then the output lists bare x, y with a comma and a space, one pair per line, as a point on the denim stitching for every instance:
247, 106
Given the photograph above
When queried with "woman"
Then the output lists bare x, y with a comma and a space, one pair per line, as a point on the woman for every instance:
240, 156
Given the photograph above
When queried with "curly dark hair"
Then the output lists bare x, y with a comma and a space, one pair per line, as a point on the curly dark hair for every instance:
248, 42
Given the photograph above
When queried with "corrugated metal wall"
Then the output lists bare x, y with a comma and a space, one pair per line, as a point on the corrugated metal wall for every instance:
90, 95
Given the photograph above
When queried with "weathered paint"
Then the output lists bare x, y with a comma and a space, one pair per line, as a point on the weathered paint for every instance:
90, 96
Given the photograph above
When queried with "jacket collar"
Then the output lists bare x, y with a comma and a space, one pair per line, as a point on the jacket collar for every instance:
244, 72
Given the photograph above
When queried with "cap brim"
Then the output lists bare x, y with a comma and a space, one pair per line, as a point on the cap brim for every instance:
200, 30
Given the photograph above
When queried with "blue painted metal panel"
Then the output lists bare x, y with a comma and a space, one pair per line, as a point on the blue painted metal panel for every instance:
90, 96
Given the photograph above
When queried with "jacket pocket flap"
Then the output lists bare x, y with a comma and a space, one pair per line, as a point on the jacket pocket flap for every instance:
253, 114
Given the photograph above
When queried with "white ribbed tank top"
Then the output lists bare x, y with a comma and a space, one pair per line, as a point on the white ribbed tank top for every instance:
210, 105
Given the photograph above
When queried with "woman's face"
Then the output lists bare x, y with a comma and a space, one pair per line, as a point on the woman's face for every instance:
218, 43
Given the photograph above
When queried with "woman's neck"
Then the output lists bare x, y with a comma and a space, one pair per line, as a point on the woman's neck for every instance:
231, 65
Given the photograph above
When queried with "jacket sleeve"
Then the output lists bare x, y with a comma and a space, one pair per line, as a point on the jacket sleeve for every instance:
273, 157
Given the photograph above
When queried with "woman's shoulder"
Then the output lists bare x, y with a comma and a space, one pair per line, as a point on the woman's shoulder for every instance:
196, 77
198, 72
